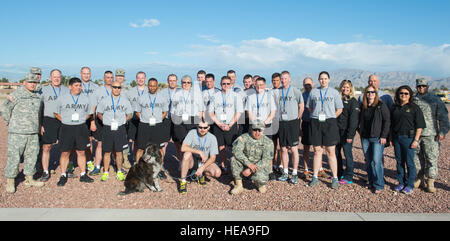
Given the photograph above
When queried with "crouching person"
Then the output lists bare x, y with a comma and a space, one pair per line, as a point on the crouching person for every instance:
252, 157
199, 146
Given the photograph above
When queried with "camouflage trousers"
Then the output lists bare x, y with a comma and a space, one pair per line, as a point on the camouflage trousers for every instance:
261, 177
426, 157
18, 145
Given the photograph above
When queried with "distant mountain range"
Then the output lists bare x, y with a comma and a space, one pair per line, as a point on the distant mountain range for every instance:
387, 79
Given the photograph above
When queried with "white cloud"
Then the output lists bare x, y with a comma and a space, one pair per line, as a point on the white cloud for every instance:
307, 55
210, 38
146, 23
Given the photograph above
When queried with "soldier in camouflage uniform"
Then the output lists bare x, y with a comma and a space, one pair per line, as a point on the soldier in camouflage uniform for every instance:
427, 152
252, 157
21, 113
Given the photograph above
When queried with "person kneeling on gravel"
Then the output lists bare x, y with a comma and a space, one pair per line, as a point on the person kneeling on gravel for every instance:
252, 158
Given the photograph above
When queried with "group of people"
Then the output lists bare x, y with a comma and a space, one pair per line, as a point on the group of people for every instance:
208, 125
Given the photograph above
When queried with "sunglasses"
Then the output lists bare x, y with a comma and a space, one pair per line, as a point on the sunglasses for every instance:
226, 83
403, 93
33, 82
257, 130
203, 127
422, 86
186, 82
117, 87
371, 92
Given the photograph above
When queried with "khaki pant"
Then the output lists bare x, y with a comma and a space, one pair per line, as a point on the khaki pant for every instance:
426, 157
18, 145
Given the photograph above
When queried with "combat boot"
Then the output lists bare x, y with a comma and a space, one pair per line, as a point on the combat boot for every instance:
262, 189
30, 182
10, 187
419, 180
430, 186
237, 187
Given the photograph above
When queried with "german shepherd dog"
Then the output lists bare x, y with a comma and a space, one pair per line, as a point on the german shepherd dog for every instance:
145, 173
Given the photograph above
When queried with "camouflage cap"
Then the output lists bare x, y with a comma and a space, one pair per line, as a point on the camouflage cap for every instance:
258, 125
35, 70
120, 72
31, 78
421, 81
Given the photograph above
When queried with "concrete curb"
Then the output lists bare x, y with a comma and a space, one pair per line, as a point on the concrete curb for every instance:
76, 214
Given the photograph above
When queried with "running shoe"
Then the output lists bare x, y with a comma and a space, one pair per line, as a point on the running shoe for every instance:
183, 189
120, 176
105, 177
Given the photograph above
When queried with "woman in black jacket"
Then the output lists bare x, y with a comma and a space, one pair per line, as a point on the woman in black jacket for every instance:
407, 124
347, 123
374, 124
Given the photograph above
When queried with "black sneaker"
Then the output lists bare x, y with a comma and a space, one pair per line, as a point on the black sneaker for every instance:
162, 175
45, 177
62, 181
272, 176
86, 178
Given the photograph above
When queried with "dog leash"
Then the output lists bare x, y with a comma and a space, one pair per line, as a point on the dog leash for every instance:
179, 178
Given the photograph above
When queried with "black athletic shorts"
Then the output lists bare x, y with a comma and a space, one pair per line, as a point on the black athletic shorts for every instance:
74, 136
306, 133
132, 128
181, 130
98, 134
114, 140
289, 133
324, 133
168, 126
225, 138
51, 130
150, 134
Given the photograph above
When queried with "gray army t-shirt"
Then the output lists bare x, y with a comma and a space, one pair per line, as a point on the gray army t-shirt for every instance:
260, 105
133, 95
189, 102
228, 104
152, 106
116, 108
68, 104
49, 96
287, 101
207, 144
331, 102
88, 88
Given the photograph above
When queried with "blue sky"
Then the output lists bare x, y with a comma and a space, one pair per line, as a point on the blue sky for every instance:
256, 37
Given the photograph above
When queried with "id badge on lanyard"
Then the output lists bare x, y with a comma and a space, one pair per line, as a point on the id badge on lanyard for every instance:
114, 125
322, 115
75, 117
152, 121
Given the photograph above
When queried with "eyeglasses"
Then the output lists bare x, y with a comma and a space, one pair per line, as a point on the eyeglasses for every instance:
117, 87
371, 92
186, 82
403, 93
203, 127
226, 83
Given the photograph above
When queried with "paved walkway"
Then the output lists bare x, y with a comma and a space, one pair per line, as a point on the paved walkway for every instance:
75, 214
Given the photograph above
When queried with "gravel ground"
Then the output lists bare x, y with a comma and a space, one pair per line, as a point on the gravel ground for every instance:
215, 195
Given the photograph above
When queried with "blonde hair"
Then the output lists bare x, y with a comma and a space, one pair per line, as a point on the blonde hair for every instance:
352, 88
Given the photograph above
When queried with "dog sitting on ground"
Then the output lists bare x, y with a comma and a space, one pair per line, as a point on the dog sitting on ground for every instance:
145, 172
